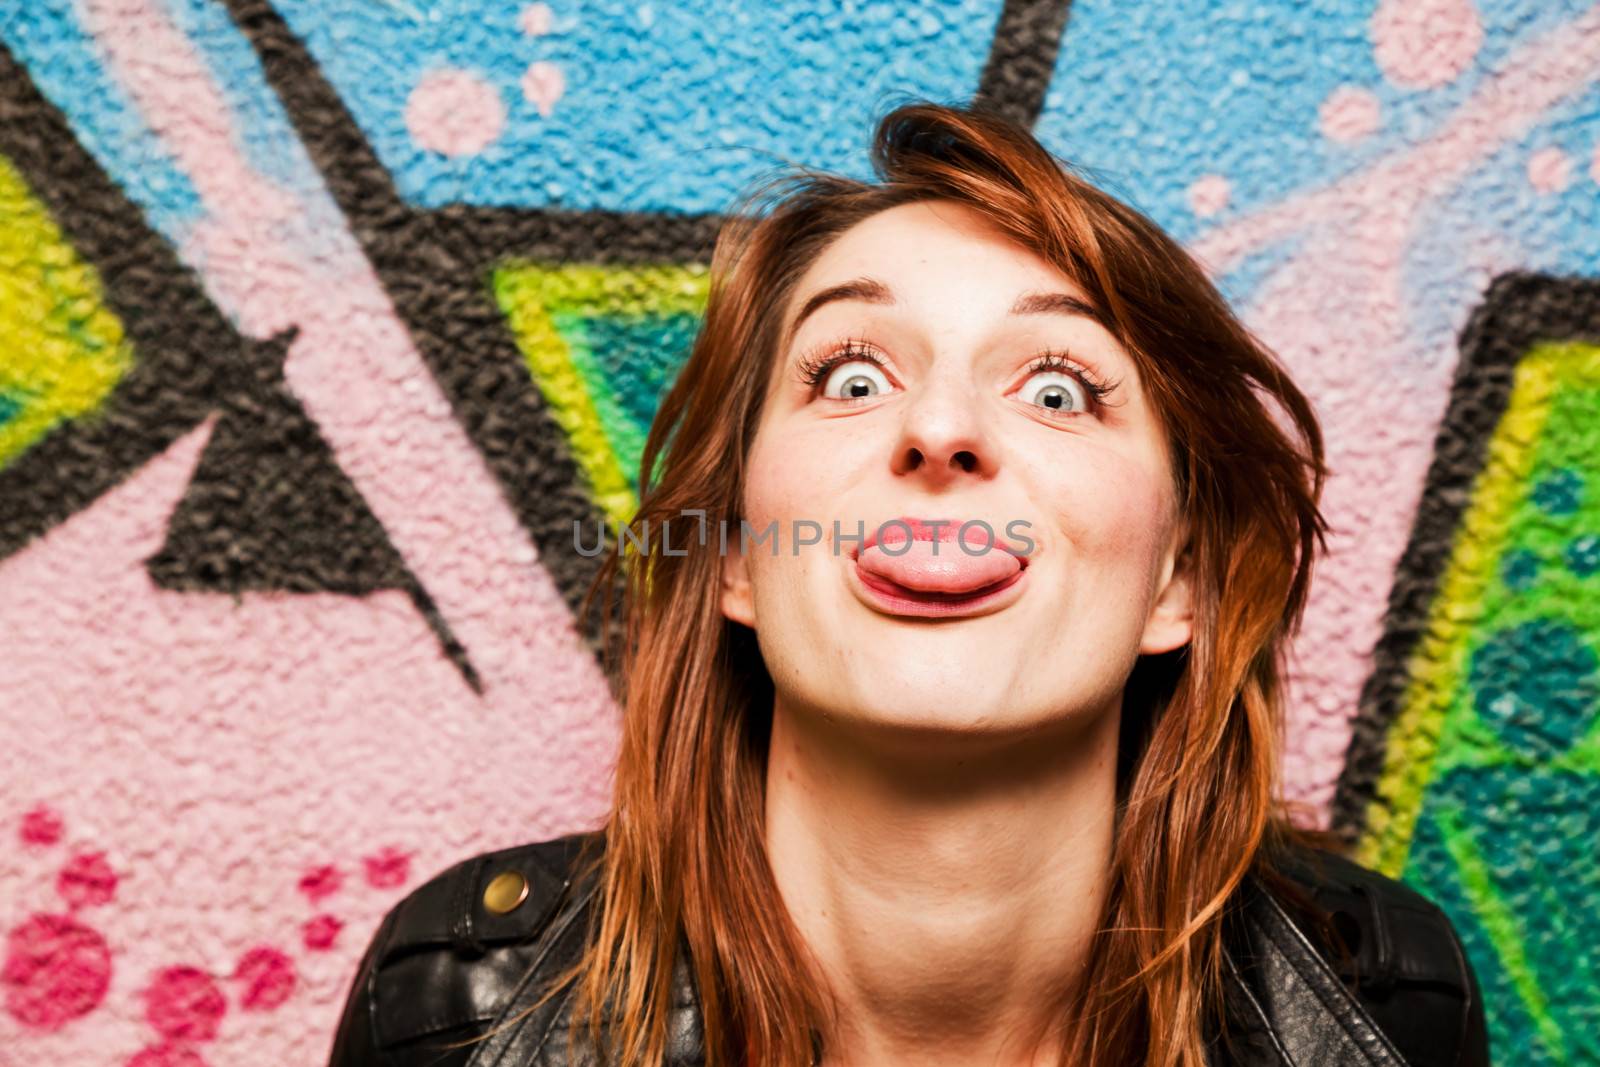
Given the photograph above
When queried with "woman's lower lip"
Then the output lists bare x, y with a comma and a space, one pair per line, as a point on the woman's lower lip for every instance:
897, 600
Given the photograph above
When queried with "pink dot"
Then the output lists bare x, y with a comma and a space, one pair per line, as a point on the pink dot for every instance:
536, 20
1423, 44
87, 880
1348, 114
454, 112
387, 868
320, 882
184, 1004
321, 931
543, 83
56, 970
167, 1054
267, 978
1549, 169
41, 826
1209, 195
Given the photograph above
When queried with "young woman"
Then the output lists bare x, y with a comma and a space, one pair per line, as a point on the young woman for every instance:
972, 533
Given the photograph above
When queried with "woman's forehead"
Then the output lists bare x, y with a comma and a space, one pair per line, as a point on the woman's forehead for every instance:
903, 259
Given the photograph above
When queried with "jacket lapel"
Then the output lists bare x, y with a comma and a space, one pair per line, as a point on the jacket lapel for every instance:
1287, 1008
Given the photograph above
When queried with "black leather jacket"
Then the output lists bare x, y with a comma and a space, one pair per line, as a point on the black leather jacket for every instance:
444, 967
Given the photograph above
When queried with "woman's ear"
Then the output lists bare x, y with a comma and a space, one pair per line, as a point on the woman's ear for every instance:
737, 602
1171, 621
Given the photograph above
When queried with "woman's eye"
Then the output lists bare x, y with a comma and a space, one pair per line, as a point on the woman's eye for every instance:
855, 379
1057, 391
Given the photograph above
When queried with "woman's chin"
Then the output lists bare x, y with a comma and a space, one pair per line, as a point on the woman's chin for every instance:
937, 705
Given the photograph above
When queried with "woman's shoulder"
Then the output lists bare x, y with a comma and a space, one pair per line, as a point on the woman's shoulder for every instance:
490, 896
1394, 950
447, 957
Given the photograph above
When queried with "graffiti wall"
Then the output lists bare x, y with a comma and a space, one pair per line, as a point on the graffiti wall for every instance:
320, 324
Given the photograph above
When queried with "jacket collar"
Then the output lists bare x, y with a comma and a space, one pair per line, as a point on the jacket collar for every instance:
1283, 1003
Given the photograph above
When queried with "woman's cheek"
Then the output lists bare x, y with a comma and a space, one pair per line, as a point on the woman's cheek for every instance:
793, 477
1121, 511
766, 489
774, 498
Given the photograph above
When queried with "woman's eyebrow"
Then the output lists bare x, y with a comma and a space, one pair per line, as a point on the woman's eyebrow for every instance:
1039, 303
873, 291
868, 289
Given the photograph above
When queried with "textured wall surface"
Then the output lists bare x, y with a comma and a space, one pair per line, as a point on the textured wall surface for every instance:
321, 323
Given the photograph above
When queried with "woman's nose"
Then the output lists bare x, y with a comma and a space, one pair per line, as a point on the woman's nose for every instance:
942, 434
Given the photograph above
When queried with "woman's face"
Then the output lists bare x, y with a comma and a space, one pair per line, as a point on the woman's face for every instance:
956, 420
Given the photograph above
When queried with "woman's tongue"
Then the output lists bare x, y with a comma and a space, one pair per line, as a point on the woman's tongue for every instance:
953, 570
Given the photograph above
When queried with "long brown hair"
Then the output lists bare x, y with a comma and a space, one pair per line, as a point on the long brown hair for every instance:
684, 867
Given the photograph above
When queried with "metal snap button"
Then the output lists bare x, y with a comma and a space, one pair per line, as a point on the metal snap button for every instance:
505, 892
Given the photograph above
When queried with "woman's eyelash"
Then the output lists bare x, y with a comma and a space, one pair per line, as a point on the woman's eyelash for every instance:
813, 369
1097, 389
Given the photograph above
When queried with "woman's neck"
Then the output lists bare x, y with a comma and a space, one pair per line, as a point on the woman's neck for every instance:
948, 886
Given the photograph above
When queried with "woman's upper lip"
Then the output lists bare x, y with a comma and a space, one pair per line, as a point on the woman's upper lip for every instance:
935, 529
